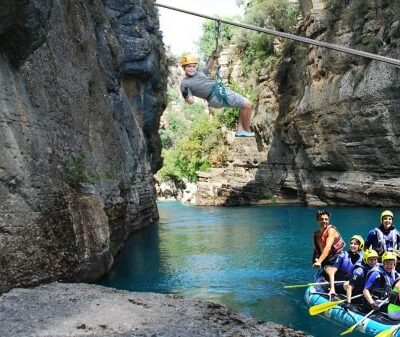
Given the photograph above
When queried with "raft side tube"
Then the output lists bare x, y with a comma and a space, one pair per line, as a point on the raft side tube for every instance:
347, 317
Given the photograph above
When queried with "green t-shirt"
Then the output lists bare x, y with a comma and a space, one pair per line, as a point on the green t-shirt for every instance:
394, 307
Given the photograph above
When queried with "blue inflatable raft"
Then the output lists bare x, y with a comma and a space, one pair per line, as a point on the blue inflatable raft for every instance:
346, 317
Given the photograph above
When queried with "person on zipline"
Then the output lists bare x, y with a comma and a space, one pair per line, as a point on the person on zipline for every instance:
198, 83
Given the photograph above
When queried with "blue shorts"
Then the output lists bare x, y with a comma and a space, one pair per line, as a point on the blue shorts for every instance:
330, 260
234, 100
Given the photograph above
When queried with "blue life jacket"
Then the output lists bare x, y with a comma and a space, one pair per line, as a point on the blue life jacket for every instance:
386, 282
358, 281
386, 242
347, 264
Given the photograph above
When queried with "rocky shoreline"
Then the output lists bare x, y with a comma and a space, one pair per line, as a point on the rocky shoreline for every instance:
67, 309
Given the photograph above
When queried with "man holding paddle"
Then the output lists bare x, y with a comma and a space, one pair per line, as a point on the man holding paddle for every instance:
328, 244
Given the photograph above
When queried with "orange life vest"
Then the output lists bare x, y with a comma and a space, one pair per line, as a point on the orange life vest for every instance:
337, 246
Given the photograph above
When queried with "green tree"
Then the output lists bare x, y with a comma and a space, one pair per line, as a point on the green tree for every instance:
195, 151
208, 39
276, 14
258, 48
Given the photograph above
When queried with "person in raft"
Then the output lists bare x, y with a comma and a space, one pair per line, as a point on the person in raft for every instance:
384, 238
197, 82
356, 283
344, 264
380, 281
328, 244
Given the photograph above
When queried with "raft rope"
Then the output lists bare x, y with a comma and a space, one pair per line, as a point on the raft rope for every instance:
294, 37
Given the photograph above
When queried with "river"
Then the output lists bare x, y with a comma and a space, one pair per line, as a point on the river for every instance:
241, 257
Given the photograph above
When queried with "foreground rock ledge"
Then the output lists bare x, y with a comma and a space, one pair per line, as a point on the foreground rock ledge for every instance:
59, 310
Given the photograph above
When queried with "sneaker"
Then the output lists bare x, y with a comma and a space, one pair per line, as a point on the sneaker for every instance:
244, 134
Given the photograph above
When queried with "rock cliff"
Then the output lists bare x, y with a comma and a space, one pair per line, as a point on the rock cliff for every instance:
82, 88
327, 122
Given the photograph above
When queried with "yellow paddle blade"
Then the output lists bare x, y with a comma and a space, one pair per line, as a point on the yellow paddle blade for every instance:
318, 308
387, 332
349, 330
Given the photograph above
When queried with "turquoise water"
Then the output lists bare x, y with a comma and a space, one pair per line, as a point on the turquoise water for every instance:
241, 257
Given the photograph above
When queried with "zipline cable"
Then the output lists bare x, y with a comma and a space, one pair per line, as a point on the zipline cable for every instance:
290, 36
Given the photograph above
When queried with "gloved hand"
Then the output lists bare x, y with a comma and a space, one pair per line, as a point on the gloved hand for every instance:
185, 92
215, 54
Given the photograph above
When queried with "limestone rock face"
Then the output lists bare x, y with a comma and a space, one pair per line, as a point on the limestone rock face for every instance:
235, 184
335, 137
77, 150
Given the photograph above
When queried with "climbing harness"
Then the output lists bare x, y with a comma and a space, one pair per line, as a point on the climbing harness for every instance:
294, 37
219, 91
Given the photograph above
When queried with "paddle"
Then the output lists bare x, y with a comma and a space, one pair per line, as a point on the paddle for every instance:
351, 329
388, 332
312, 284
318, 308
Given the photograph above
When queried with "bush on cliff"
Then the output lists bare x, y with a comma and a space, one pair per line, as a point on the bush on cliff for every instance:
196, 149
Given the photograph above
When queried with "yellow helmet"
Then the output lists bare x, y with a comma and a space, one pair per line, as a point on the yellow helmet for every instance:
368, 254
188, 59
360, 240
389, 256
386, 213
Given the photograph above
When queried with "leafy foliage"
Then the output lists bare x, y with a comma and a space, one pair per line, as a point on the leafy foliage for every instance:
172, 96
257, 47
394, 8
194, 151
276, 14
356, 12
77, 172
229, 116
208, 40
371, 44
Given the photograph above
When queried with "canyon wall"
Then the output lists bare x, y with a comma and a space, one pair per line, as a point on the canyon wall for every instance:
82, 88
